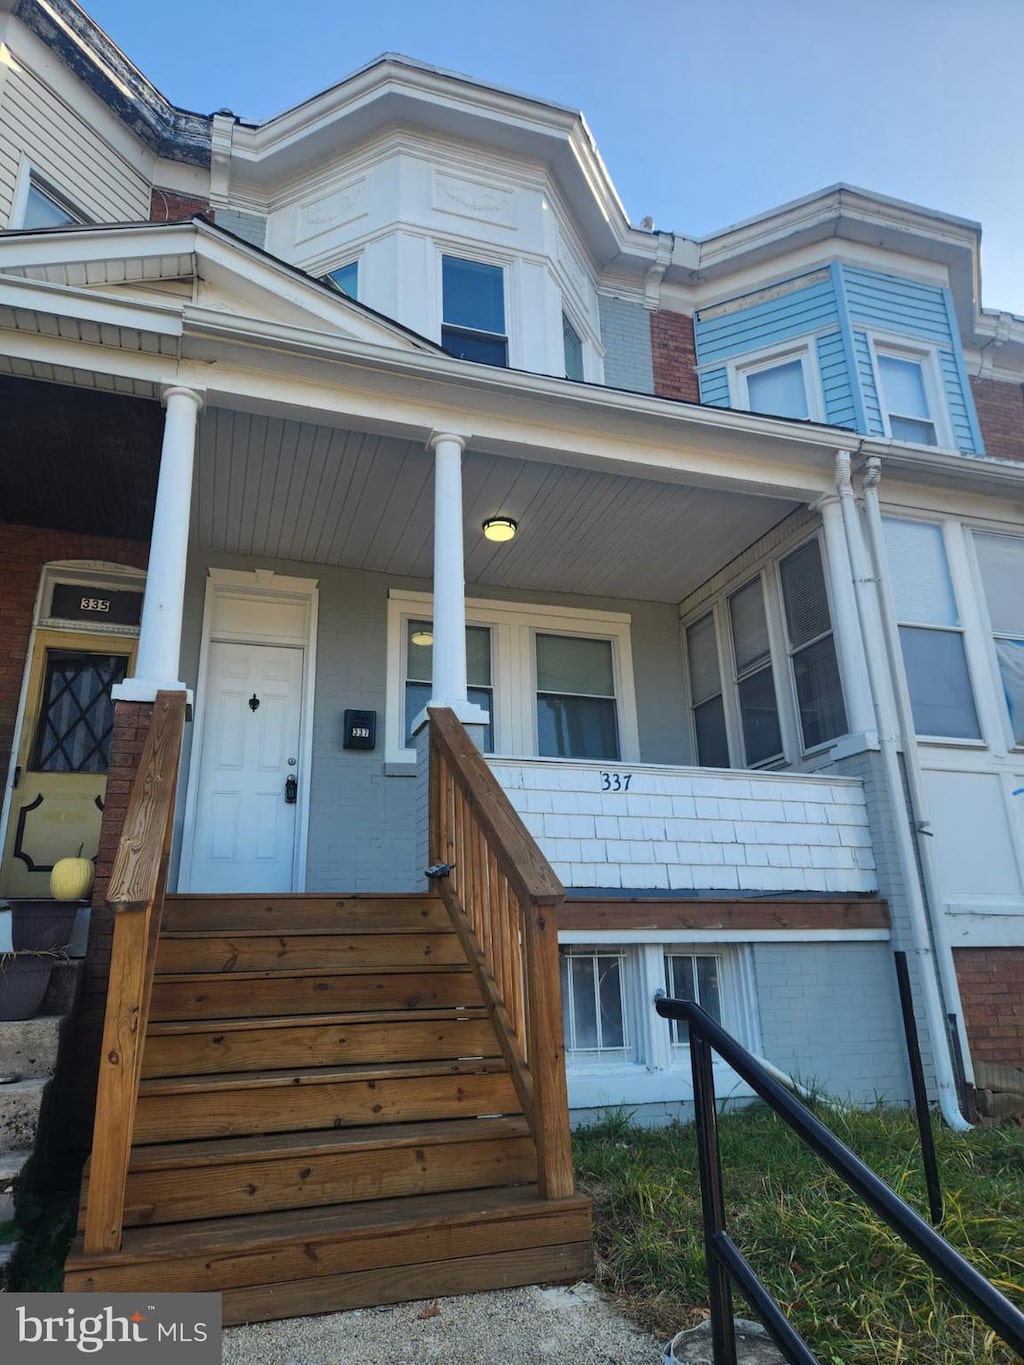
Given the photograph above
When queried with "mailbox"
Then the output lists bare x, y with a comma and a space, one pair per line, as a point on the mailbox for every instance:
360, 730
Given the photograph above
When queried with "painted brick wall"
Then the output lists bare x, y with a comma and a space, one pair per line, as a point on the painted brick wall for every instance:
626, 336
692, 830
168, 206
1000, 408
830, 1015
251, 227
363, 834
992, 990
674, 356
23, 552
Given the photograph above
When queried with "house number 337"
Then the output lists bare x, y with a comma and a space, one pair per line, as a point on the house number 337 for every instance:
616, 782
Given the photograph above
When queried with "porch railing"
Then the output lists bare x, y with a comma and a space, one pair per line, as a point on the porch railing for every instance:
503, 898
136, 894
725, 1262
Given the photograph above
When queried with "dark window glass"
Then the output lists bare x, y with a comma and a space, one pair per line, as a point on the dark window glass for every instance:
419, 674
77, 714
473, 311
576, 711
712, 742
819, 692
573, 350
762, 738
346, 277
696, 978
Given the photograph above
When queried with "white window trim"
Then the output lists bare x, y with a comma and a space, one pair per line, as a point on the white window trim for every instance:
752, 362
927, 356
513, 626
29, 174
659, 1071
480, 256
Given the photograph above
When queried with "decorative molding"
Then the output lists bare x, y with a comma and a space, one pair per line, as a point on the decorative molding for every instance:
474, 199
574, 272
340, 206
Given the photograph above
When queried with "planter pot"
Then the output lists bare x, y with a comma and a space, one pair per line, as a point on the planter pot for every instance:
23, 982
42, 926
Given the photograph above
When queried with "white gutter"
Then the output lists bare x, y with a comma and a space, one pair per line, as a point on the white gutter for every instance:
870, 598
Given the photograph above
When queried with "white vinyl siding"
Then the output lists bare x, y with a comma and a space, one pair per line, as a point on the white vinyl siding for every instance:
38, 130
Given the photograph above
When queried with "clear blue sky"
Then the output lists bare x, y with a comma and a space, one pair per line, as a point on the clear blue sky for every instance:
706, 113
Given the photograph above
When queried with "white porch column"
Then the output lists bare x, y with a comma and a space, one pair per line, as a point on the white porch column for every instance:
449, 679
160, 632
846, 621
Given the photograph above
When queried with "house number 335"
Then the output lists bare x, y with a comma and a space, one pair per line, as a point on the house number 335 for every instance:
616, 782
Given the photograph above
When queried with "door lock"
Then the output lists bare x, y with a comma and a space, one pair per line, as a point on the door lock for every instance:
291, 789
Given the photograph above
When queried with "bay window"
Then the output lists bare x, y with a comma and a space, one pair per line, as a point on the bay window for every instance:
904, 399
473, 311
780, 384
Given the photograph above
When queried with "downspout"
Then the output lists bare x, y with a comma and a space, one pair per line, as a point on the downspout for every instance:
916, 789
880, 665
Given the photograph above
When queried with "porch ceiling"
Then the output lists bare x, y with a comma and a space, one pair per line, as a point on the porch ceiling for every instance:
280, 489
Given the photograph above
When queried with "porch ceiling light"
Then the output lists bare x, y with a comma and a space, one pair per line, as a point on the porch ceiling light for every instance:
422, 637
500, 528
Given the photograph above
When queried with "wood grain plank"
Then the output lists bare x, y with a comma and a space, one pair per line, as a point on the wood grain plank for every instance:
358, 913
665, 913
306, 952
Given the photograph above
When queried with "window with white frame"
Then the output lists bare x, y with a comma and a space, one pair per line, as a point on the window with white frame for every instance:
707, 701
931, 633
572, 345
812, 650
555, 682
594, 1011
473, 310
576, 705
783, 384
44, 207
696, 977
419, 673
1001, 561
908, 396
754, 675
346, 277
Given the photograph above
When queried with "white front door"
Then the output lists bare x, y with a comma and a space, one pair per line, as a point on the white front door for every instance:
245, 823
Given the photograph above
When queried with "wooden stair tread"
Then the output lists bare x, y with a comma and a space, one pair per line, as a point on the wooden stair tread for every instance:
286, 931
306, 1076
369, 1218
210, 979
443, 1014
270, 1147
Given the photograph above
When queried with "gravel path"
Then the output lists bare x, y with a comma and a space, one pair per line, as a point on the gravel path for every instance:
531, 1326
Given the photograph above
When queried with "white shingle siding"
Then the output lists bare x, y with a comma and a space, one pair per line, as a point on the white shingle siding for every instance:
679, 829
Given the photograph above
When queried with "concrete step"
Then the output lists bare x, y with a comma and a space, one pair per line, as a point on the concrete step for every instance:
63, 988
28, 1047
20, 1102
12, 1165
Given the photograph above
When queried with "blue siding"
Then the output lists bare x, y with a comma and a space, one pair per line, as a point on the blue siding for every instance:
963, 435
792, 314
866, 373
840, 408
904, 307
714, 388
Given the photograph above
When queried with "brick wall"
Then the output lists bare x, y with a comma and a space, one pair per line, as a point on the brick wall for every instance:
168, 206
23, 552
1001, 417
992, 990
674, 356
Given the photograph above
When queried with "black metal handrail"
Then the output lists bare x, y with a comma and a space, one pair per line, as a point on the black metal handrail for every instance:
725, 1260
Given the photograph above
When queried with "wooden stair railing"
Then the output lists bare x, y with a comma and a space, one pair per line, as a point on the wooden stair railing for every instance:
136, 894
503, 898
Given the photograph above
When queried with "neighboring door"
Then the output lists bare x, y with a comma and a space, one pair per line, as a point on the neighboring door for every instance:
61, 777
245, 821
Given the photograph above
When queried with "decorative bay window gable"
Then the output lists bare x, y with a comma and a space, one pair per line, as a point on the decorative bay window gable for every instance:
1001, 564
555, 681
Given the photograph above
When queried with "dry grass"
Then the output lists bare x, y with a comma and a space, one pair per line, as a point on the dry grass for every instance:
850, 1286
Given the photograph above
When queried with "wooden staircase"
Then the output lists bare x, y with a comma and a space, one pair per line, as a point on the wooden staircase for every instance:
325, 1119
